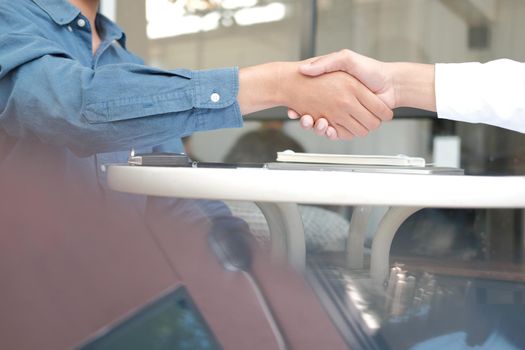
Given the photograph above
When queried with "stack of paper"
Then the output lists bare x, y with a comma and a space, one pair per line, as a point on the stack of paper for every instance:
319, 158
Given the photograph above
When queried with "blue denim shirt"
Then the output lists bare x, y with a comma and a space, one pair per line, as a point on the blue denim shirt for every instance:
81, 110
52, 87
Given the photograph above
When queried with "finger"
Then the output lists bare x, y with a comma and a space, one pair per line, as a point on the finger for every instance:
363, 121
331, 133
307, 122
293, 114
337, 61
375, 105
320, 126
352, 125
343, 133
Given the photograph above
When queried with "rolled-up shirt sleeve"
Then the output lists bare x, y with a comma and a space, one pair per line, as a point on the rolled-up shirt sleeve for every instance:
46, 92
490, 93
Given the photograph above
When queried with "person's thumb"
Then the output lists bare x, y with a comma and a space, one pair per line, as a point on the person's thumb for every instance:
324, 64
321, 65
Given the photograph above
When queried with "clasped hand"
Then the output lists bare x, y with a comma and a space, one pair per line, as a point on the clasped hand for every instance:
353, 95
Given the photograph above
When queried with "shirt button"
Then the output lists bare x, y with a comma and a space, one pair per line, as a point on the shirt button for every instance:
215, 97
69, 28
81, 23
103, 168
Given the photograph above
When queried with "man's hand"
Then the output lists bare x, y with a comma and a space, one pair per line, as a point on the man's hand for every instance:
345, 103
396, 84
373, 74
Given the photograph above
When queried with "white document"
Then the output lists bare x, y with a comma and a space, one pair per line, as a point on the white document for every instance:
320, 158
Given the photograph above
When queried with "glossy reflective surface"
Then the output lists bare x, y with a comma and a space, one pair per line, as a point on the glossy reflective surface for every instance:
455, 280
172, 322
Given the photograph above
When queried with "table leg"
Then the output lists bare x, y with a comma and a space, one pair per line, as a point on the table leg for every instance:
286, 231
380, 258
356, 237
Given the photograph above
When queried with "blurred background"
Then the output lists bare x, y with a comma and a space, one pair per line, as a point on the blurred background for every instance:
201, 34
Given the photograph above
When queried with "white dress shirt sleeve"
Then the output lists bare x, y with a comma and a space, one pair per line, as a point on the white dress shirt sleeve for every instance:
490, 93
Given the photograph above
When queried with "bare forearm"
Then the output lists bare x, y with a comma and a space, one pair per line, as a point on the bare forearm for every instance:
259, 87
414, 85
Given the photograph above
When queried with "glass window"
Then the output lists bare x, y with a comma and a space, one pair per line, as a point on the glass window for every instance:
433, 31
200, 34
426, 31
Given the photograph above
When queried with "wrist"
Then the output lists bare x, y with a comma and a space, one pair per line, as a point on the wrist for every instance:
259, 87
286, 74
394, 71
413, 85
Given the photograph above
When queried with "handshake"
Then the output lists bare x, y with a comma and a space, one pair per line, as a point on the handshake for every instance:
341, 95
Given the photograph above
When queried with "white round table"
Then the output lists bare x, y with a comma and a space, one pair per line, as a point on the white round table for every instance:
322, 187
277, 192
